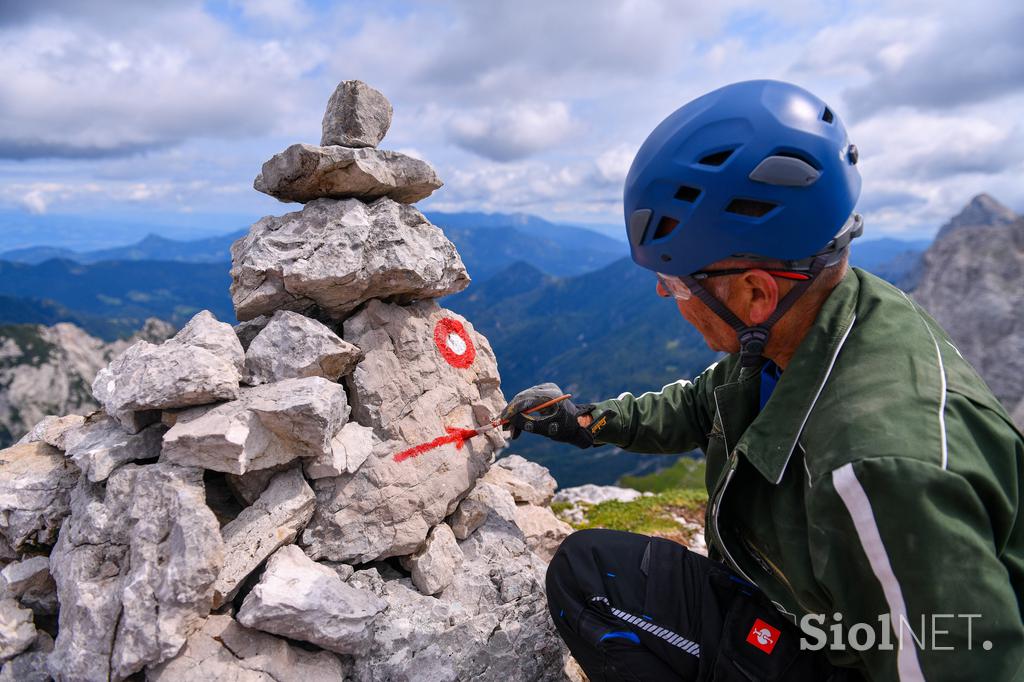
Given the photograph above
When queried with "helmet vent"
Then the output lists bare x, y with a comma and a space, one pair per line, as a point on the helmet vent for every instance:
750, 207
685, 193
716, 158
827, 116
665, 227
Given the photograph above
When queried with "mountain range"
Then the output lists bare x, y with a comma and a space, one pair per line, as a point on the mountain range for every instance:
558, 303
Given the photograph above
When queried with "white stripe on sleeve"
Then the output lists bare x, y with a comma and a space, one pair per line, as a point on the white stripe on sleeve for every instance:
856, 500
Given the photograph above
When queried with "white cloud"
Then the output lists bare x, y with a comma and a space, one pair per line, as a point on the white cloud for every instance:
512, 132
35, 202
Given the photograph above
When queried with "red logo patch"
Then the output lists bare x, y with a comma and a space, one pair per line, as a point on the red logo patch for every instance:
763, 636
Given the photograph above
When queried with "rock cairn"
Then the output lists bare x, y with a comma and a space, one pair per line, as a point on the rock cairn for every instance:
238, 494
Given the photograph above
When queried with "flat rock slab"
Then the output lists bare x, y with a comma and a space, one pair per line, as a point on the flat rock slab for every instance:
357, 116
134, 566
350, 448
147, 377
273, 521
332, 256
305, 172
408, 390
52, 430
35, 490
293, 346
224, 650
300, 599
102, 444
267, 426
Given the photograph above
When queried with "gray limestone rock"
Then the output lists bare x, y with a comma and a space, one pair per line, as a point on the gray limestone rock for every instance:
357, 116
16, 629
273, 521
135, 566
490, 623
972, 285
35, 489
349, 449
268, 425
543, 531
333, 255
224, 650
433, 566
596, 494
147, 377
248, 487
101, 444
52, 430
293, 346
528, 481
300, 599
304, 172
29, 582
30, 665
247, 331
204, 331
409, 393
485, 498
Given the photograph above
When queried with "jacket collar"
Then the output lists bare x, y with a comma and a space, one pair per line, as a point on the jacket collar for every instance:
768, 443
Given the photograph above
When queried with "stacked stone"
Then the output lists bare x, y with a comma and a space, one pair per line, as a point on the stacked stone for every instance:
239, 489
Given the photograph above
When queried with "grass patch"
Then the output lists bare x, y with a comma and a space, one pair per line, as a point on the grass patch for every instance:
653, 515
686, 474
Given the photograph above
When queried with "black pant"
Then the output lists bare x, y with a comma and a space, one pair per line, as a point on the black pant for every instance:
631, 607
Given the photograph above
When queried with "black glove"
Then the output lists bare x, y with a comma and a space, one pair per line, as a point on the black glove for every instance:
557, 422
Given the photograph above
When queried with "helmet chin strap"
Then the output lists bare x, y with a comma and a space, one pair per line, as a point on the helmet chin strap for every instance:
754, 338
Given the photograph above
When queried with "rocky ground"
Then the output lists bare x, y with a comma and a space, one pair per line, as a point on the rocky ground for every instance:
235, 508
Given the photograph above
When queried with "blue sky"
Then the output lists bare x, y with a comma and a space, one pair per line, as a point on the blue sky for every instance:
161, 113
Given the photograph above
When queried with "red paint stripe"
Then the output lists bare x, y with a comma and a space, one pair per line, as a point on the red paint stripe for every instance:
455, 435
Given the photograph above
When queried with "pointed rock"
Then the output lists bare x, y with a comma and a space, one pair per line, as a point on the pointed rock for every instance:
29, 582
433, 566
16, 629
528, 481
273, 521
268, 425
101, 444
408, 390
300, 599
224, 650
304, 172
334, 255
484, 499
35, 490
52, 430
134, 567
544, 532
349, 449
357, 116
204, 331
293, 346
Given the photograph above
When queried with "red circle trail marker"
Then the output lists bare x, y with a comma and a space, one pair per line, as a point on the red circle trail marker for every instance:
454, 343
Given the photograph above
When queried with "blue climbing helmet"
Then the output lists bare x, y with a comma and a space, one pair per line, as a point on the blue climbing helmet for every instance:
761, 170
754, 169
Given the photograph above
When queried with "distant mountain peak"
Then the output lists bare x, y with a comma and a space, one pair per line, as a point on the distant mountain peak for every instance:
982, 211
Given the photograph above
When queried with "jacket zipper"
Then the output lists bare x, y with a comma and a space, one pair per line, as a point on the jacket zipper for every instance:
733, 461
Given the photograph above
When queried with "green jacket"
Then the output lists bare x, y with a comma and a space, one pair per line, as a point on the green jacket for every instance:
881, 479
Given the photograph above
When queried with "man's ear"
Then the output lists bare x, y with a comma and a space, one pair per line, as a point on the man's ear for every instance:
760, 296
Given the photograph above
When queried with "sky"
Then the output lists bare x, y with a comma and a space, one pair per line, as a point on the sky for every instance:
161, 113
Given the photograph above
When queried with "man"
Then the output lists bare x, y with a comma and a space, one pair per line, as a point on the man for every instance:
864, 485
